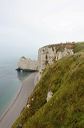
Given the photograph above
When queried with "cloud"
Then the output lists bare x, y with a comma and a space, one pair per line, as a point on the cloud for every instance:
32, 24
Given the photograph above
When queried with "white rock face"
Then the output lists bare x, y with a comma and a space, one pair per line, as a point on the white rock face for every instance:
49, 96
49, 54
25, 63
28, 105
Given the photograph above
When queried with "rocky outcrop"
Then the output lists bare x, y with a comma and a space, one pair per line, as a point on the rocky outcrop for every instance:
49, 54
46, 56
49, 95
27, 64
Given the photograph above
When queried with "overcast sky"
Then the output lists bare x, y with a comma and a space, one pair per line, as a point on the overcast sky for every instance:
26, 25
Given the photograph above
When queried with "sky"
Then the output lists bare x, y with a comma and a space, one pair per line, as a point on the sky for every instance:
27, 25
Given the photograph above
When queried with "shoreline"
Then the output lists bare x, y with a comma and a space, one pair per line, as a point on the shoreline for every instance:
11, 103
7, 114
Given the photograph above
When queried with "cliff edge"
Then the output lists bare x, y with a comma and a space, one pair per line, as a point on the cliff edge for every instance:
49, 54
58, 98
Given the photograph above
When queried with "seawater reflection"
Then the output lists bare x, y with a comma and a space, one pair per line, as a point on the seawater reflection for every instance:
22, 75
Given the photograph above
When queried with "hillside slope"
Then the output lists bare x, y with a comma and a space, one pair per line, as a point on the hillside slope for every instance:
65, 78
79, 47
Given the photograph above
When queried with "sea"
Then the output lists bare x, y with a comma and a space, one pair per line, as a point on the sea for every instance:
10, 82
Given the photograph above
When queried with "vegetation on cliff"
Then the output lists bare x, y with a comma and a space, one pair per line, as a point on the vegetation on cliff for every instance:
65, 78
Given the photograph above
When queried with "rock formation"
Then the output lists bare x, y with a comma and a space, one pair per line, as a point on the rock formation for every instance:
27, 64
46, 56
49, 95
49, 54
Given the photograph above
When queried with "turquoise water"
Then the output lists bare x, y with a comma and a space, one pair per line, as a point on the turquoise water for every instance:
10, 83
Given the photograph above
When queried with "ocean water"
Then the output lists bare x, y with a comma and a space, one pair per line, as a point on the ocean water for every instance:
10, 83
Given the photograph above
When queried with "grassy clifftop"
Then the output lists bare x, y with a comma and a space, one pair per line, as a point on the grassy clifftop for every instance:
79, 47
65, 78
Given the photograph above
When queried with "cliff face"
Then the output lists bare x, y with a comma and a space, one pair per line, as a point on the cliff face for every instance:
46, 55
25, 63
59, 93
49, 54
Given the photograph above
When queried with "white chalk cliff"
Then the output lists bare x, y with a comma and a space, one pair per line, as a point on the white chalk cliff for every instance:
46, 56
49, 54
25, 63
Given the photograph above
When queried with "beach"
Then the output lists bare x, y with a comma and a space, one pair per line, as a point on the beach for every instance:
19, 102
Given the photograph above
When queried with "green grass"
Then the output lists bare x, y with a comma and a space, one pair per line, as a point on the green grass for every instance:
79, 47
66, 108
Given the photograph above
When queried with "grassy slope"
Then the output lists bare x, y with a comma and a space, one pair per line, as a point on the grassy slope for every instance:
66, 108
79, 47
